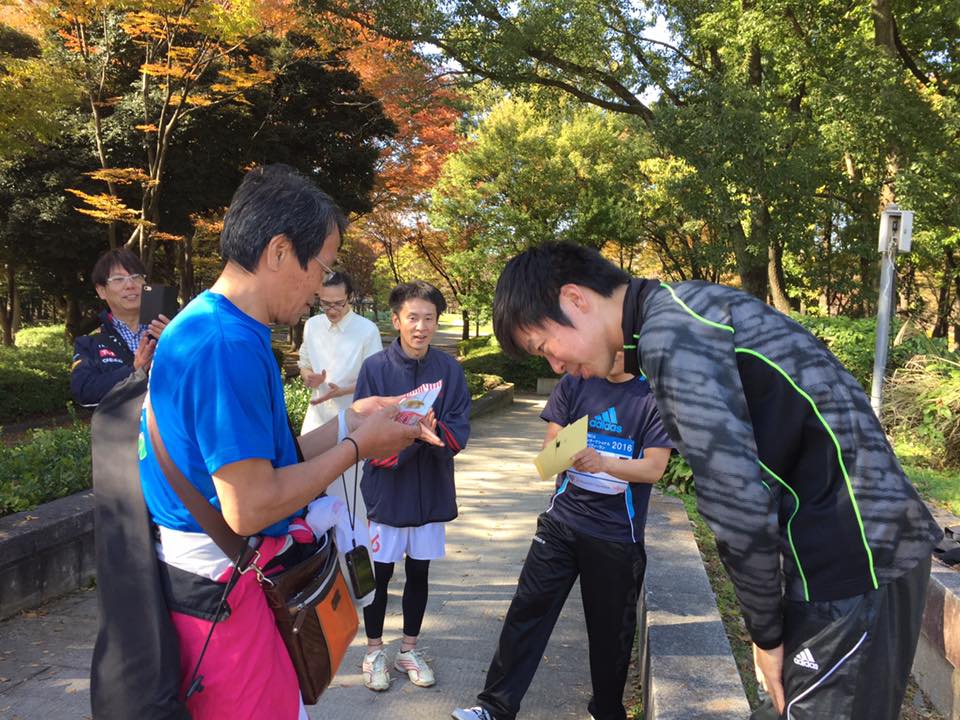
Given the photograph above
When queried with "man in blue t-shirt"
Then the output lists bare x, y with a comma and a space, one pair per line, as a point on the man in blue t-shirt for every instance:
593, 528
217, 397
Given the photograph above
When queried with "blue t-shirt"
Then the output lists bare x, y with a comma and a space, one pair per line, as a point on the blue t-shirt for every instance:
623, 422
217, 395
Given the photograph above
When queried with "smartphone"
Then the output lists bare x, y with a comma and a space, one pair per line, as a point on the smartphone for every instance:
156, 300
360, 567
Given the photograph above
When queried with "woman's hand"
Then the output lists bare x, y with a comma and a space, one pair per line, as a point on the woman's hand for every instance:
332, 392
312, 379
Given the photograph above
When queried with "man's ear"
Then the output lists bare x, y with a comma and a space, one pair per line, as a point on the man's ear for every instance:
101, 291
396, 321
275, 252
573, 296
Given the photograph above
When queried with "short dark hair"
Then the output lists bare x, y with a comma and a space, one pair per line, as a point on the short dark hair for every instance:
528, 291
126, 259
416, 290
277, 200
340, 278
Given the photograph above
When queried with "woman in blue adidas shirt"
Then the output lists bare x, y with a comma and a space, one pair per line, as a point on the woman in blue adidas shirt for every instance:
593, 529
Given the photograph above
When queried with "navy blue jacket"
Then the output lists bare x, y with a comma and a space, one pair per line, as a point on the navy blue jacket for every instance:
100, 360
416, 486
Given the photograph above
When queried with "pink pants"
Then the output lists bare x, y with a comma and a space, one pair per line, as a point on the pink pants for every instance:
247, 673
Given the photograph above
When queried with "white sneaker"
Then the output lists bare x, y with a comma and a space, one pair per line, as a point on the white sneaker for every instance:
414, 664
474, 713
375, 673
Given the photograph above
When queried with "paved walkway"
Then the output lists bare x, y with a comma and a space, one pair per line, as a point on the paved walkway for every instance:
45, 655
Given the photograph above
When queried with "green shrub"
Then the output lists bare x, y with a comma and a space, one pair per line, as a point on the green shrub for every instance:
297, 396
479, 384
852, 340
49, 465
465, 347
922, 403
678, 477
489, 359
35, 375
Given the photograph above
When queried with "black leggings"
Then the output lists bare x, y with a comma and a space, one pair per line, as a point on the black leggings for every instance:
414, 598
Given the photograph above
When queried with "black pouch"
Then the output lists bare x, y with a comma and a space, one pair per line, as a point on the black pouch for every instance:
360, 567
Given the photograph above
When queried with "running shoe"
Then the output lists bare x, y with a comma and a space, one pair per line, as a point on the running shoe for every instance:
414, 664
375, 673
474, 713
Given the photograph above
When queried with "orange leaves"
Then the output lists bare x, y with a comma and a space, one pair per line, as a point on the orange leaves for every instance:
165, 236
105, 208
122, 176
149, 25
234, 81
210, 223
422, 109
174, 72
144, 25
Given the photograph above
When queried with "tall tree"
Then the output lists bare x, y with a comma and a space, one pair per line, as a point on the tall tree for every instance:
744, 91
172, 59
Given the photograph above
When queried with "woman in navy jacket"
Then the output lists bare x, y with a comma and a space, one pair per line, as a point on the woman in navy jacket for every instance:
410, 496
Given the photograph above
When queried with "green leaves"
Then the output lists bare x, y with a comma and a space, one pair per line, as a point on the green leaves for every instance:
50, 464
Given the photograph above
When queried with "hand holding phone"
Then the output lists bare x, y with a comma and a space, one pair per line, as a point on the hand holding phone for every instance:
157, 300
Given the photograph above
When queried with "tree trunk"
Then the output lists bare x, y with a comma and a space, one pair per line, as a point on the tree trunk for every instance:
752, 269
187, 281
826, 257
17, 317
465, 333
10, 307
944, 301
74, 321
778, 291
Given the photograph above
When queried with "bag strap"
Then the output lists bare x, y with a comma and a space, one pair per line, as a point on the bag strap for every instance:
207, 516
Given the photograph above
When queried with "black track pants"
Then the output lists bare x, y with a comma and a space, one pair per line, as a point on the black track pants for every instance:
611, 574
849, 659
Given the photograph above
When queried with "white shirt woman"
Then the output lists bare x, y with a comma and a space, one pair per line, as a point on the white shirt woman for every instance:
335, 344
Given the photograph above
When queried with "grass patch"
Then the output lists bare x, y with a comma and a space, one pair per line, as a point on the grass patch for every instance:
35, 375
923, 465
484, 356
51, 464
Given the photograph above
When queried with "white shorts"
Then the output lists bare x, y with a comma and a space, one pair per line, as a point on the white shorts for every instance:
388, 544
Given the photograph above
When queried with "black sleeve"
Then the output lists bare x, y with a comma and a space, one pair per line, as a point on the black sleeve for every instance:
89, 381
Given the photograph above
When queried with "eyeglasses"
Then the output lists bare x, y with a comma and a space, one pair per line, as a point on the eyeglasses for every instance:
338, 305
328, 273
121, 280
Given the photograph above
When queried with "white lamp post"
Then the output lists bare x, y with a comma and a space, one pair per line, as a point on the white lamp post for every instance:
896, 233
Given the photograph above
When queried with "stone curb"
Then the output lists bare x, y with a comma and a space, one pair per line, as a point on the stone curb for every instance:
686, 662
46, 552
496, 399
936, 666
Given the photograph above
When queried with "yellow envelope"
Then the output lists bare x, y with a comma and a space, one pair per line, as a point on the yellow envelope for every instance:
557, 456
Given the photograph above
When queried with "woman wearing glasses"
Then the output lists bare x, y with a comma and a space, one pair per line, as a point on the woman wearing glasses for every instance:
335, 344
121, 344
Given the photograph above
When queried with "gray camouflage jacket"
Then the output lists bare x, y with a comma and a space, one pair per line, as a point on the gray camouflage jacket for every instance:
793, 472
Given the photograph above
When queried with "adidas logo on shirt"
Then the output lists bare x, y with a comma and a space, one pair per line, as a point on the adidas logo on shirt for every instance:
607, 420
805, 659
